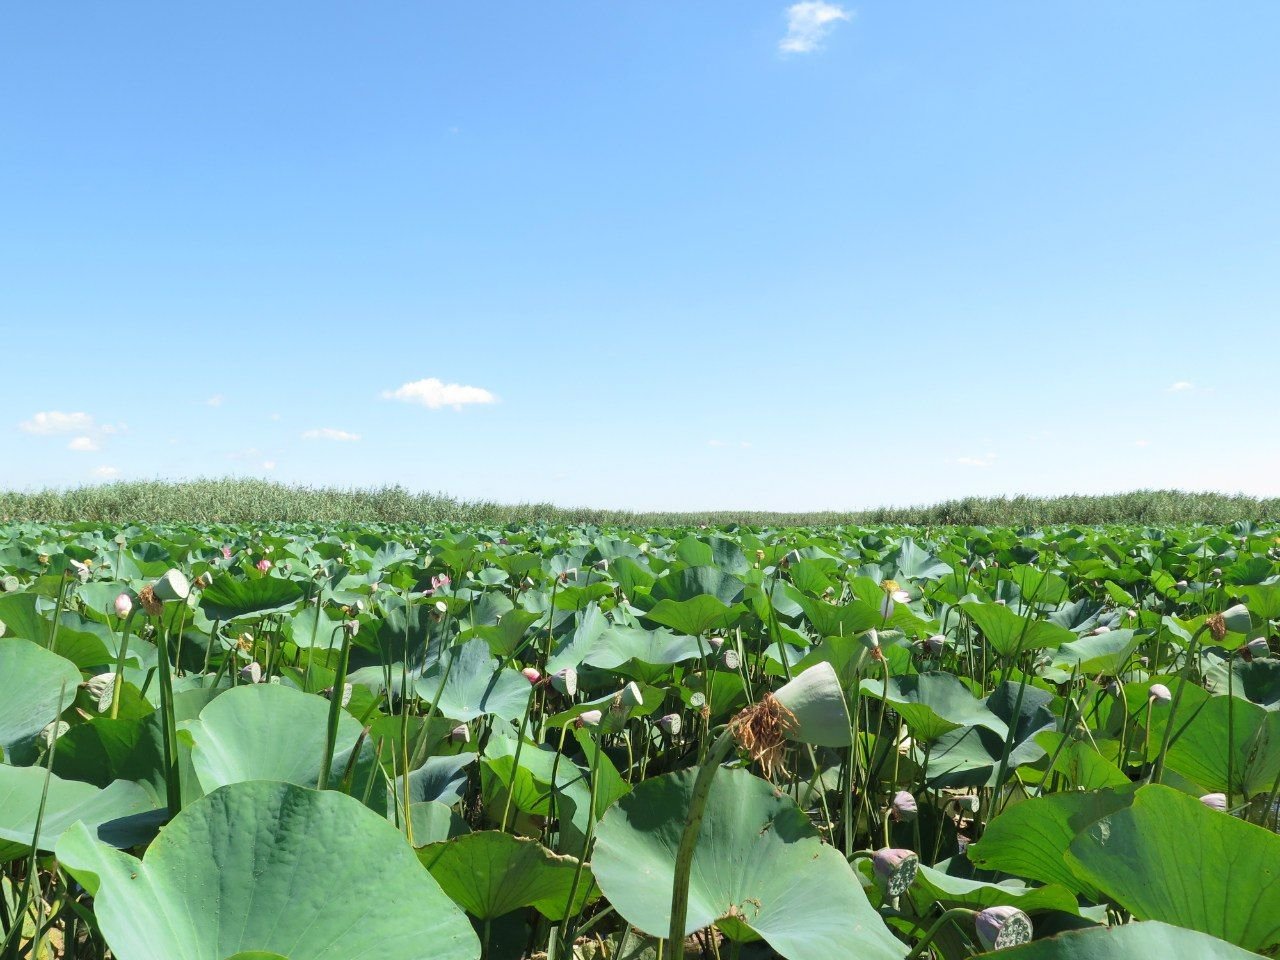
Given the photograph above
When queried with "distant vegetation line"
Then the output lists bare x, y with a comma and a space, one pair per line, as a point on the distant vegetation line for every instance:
239, 500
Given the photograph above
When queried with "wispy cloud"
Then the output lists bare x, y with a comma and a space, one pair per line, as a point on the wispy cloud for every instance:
83, 444
434, 394
329, 433
741, 444
1180, 387
984, 461
215, 400
1142, 443
808, 24
50, 422
105, 472
268, 465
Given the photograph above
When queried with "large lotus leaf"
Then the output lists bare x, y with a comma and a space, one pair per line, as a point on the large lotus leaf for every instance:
68, 802
475, 685
1228, 734
1263, 601
232, 598
694, 582
697, 615
21, 619
107, 750
491, 873
1169, 857
758, 861
441, 779
619, 645
1030, 839
970, 756
271, 732
1097, 653
1258, 681
433, 822
1082, 762
1007, 633
912, 562
934, 886
32, 681
933, 704
253, 867
1150, 939
844, 620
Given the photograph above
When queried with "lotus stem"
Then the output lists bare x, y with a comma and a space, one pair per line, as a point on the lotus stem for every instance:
335, 708
952, 914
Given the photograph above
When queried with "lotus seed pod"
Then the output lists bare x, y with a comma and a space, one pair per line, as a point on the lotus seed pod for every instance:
590, 718
715, 643
936, 643
531, 674
895, 869
565, 681
205, 580
9, 584
123, 605
1215, 801
100, 688
631, 696
1216, 573
697, 700
730, 659
441, 607
1159, 693
1000, 927
1113, 689
904, 806
358, 605
602, 564
670, 724
351, 627
460, 734
251, 672
172, 586
327, 692
1237, 618
969, 803
1181, 585
1257, 648
53, 731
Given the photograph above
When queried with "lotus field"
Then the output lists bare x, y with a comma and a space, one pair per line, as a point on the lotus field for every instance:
602, 743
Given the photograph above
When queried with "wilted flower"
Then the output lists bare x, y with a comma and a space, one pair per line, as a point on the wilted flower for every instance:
81, 569
531, 674
895, 869
1159, 693
251, 672
590, 718
123, 605
904, 806
670, 724
264, 564
440, 581
1000, 927
1215, 801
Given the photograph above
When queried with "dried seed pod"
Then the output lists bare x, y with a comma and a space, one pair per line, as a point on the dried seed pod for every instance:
101, 688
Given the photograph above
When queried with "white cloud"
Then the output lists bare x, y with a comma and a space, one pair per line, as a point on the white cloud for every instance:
1142, 443
434, 394
214, 401
985, 461
54, 421
268, 464
328, 433
1180, 386
808, 23
83, 444
105, 472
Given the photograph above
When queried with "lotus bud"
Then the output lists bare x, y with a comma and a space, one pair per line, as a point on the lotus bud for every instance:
460, 734
936, 643
251, 672
565, 681
327, 692
904, 806
670, 724
895, 869
1000, 927
1159, 693
1099, 630
1215, 801
730, 659
1257, 648
1181, 585
123, 605
590, 719
631, 696
263, 565
172, 586
1131, 614
531, 674
969, 803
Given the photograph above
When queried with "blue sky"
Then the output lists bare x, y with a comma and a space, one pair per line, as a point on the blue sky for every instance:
722, 254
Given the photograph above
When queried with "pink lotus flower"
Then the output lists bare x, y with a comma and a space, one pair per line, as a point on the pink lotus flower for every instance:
124, 604
226, 553
439, 581
264, 564
531, 674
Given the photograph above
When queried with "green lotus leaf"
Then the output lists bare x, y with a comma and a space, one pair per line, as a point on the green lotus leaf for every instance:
491, 873
1150, 939
68, 802
234, 598
1169, 857
32, 682
1007, 633
696, 616
934, 886
933, 704
248, 868
474, 685
1228, 735
759, 867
